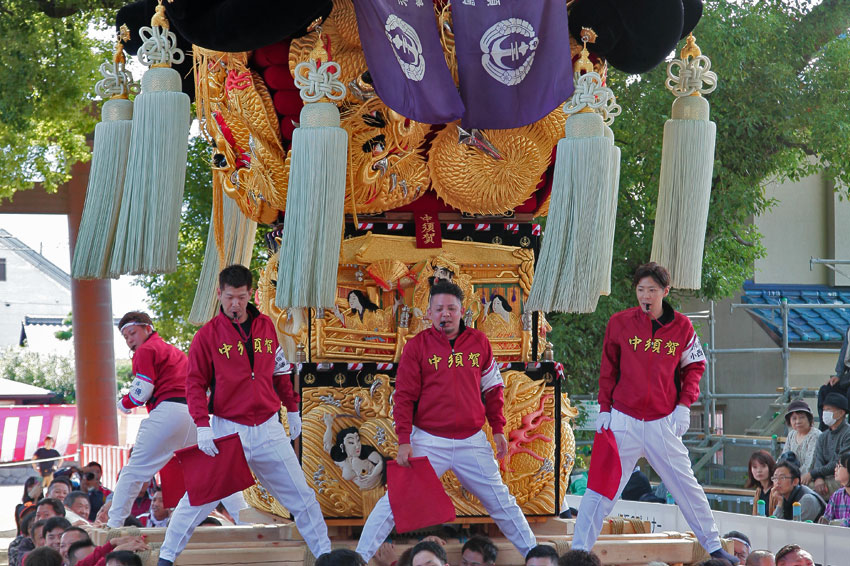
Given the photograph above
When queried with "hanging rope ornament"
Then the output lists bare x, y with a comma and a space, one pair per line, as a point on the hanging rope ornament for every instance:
95, 237
237, 245
687, 164
146, 235
310, 243
572, 266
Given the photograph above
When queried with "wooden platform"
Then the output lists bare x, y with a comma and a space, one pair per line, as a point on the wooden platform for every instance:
279, 543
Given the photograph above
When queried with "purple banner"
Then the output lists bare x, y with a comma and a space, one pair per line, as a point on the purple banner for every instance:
514, 60
402, 47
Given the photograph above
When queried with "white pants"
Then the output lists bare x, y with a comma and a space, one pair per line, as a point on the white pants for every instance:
168, 428
273, 461
656, 441
471, 459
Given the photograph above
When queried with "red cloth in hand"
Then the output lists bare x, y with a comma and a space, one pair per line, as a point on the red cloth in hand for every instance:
211, 478
171, 479
605, 468
417, 497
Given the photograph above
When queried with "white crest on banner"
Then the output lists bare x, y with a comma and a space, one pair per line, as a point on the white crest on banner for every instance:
404, 39
494, 54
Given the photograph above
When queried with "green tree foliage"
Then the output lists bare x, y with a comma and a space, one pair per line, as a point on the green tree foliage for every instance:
49, 62
781, 110
170, 296
49, 371
52, 371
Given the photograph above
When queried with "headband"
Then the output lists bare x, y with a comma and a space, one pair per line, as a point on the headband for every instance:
121, 329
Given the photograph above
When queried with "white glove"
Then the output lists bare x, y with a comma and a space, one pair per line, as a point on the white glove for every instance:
122, 408
681, 420
205, 441
603, 421
294, 420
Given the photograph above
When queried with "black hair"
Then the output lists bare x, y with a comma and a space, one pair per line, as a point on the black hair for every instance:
432, 279
95, 464
73, 496
135, 316
365, 301
236, 275
45, 556
543, 551
210, 522
715, 562
791, 467
125, 557
73, 529
483, 546
85, 543
579, 558
56, 523
432, 547
739, 535
28, 485
36, 526
785, 550
61, 479
446, 288
340, 557
26, 521
844, 460
658, 273
504, 301
53, 502
132, 522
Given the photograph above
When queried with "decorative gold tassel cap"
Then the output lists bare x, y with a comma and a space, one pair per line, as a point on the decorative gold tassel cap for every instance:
117, 83
159, 51
318, 82
694, 79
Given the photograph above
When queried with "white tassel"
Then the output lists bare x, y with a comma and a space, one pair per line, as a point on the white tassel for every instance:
93, 247
312, 228
687, 163
575, 255
611, 216
149, 222
239, 233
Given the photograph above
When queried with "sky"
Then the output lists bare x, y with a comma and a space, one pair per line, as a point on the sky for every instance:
48, 234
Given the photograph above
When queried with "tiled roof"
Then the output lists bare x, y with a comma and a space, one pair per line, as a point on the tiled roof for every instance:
11, 243
804, 325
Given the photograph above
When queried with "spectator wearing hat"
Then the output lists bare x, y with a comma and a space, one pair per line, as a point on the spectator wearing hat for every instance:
838, 383
742, 544
830, 445
802, 436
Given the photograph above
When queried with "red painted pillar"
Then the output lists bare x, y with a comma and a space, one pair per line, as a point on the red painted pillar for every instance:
91, 305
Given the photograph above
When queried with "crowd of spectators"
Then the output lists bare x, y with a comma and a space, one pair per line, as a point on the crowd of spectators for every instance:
812, 469
480, 551
59, 507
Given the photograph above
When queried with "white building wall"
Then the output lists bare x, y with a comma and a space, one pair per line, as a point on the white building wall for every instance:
27, 291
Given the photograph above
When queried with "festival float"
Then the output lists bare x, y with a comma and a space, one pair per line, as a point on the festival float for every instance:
391, 144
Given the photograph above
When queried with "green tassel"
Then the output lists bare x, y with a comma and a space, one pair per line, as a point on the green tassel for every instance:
684, 193
309, 254
569, 271
238, 244
95, 237
148, 225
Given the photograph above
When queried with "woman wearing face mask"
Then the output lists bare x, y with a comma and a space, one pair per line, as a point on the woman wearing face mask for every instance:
759, 476
802, 436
